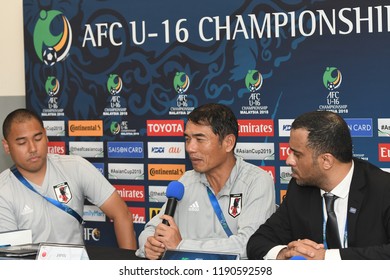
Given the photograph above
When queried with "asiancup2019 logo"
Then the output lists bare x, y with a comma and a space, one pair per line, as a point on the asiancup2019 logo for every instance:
181, 82
332, 78
51, 48
253, 80
114, 84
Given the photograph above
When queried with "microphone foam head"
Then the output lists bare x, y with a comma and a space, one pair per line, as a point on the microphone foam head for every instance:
298, 258
175, 189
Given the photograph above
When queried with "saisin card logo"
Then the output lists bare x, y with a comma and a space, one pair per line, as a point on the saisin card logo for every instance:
332, 79
52, 37
253, 82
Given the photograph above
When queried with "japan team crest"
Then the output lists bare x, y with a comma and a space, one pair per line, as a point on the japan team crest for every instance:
62, 192
235, 205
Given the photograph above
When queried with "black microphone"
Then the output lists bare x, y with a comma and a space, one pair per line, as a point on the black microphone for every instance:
175, 192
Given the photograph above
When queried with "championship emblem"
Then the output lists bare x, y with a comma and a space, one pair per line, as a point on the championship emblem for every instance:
235, 205
62, 192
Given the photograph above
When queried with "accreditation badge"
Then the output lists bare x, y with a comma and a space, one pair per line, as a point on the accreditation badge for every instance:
235, 205
63, 192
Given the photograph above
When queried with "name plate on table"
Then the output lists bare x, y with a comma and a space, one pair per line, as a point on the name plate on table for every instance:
49, 251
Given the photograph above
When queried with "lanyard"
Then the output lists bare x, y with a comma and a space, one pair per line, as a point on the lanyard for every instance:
218, 212
345, 239
63, 207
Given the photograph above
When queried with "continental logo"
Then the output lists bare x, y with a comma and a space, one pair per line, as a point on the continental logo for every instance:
282, 195
86, 128
167, 172
165, 127
256, 127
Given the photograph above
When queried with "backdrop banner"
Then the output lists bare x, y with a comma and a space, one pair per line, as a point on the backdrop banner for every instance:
115, 80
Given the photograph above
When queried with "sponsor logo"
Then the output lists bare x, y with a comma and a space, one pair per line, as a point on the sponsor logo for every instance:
125, 171
131, 193
52, 48
285, 127
282, 195
54, 128
256, 127
91, 234
384, 151
157, 194
194, 207
284, 151
125, 149
87, 149
235, 205
257, 151
99, 166
56, 148
165, 127
166, 150
165, 172
360, 127
270, 170
93, 213
86, 128
139, 216
285, 174
153, 212
384, 127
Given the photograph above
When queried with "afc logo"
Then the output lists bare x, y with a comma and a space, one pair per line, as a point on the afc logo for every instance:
53, 103
182, 101
254, 99
115, 102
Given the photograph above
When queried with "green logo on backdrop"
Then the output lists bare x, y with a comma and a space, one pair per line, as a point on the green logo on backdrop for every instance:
52, 37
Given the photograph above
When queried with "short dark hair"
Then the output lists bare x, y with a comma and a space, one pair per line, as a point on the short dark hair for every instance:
220, 117
328, 133
18, 115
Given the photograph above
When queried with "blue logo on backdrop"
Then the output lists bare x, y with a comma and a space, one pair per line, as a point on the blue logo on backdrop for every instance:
99, 166
360, 127
286, 127
125, 149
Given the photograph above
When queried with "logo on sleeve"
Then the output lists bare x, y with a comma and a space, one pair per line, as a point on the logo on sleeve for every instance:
62, 192
235, 205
